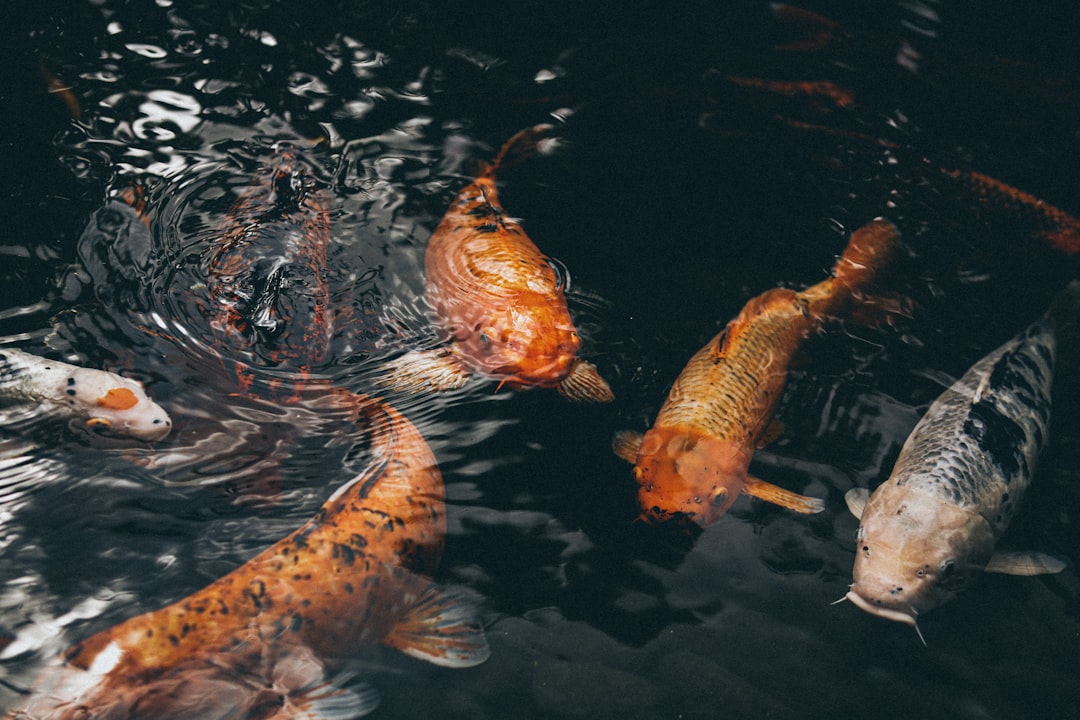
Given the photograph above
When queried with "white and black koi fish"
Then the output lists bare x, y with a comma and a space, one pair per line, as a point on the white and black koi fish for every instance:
103, 401
930, 529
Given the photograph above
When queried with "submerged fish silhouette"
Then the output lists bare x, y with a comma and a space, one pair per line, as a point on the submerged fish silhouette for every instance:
265, 640
928, 531
497, 299
693, 463
266, 279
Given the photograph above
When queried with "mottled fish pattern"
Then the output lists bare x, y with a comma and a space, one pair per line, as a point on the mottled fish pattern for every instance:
265, 640
978, 444
929, 530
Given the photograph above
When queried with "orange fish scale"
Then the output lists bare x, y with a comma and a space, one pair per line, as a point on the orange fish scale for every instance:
332, 585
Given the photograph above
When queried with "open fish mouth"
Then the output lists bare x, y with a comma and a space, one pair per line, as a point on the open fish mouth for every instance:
906, 617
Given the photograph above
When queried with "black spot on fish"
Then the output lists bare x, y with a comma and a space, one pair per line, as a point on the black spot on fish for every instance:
297, 622
345, 554
1007, 375
71, 392
71, 381
999, 436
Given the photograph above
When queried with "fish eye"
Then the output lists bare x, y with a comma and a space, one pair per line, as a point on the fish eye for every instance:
720, 497
947, 569
484, 339
99, 425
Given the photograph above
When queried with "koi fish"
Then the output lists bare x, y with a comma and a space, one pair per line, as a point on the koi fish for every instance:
929, 530
102, 401
267, 274
694, 461
1050, 224
260, 641
499, 302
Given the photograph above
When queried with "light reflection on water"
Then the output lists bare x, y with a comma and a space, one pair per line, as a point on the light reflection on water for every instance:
665, 230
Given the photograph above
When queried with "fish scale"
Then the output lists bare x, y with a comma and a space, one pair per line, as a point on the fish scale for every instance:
973, 464
931, 528
742, 384
694, 461
498, 301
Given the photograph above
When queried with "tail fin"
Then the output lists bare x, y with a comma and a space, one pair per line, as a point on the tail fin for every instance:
870, 250
522, 146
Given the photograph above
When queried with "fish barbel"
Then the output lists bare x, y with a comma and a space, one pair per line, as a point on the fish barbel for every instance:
693, 463
928, 531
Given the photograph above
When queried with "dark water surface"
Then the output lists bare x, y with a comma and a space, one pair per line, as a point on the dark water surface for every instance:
676, 195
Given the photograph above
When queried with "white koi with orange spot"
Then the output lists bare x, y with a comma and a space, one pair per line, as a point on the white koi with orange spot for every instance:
103, 401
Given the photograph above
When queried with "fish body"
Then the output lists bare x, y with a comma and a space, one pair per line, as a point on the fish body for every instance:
102, 401
694, 461
498, 301
269, 298
929, 530
260, 641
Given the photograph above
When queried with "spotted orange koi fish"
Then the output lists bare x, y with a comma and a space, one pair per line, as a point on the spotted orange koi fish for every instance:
499, 302
266, 640
693, 463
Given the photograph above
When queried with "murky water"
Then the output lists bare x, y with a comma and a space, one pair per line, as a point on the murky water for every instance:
680, 190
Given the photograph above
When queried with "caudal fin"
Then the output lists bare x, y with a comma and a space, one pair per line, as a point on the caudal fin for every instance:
443, 629
871, 249
524, 145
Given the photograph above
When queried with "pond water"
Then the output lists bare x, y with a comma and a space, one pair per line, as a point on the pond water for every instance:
683, 185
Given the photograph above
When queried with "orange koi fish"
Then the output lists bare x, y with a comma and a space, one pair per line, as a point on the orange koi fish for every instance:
498, 300
262, 641
1052, 225
694, 461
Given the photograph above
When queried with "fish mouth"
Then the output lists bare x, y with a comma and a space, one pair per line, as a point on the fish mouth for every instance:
900, 616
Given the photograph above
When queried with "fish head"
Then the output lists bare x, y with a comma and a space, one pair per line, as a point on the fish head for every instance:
683, 474
528, 343
915, 551
115, 406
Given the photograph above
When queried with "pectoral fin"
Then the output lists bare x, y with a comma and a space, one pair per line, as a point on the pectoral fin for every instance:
856, 499
329, 702
784, 498
1024, 563
584, 384
419, 370
443, 629
627, 445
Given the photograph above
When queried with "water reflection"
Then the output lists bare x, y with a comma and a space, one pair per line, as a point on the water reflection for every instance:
678, 196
